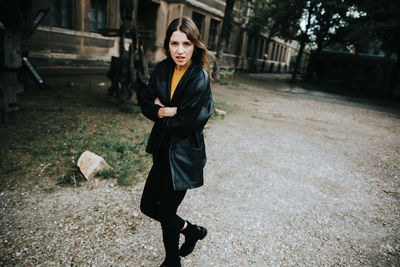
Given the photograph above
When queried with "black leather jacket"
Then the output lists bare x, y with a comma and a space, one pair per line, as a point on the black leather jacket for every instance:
195, 106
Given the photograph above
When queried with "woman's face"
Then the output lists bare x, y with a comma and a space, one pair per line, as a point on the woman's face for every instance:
181, 49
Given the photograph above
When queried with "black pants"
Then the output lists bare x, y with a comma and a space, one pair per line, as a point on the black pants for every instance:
160, 201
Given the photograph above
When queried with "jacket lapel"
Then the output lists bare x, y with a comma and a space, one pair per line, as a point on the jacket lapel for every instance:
179, 88
168, 89
164, 90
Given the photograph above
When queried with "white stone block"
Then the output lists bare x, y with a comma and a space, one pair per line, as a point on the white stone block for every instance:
90, 164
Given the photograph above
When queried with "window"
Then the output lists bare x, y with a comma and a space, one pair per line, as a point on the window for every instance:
267, 45
61, 13
260, 48
245, 7
239, 47
272, 57
280, 54
237, 5
228, 43
212, 37
284, 54
198, 20
97, 15
250, 46
276, 52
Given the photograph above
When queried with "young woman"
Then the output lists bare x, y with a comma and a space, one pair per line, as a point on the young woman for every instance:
178, 99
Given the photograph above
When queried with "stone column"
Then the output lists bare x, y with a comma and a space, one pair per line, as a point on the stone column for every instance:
85, 9
270, 50
264, 42
161, 28
244, 49
207, 21
288, 57
79, 15
113, 17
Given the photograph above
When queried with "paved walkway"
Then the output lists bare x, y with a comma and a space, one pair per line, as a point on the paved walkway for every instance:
293, 178
298, 180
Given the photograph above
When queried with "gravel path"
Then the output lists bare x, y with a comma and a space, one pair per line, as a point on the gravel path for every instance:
292, 179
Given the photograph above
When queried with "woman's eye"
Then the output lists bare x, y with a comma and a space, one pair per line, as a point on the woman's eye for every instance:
187, 44
173, 43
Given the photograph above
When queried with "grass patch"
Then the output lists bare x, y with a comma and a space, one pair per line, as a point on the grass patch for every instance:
221, 106
235, 84
223, 82
71, 177
229, 83
107, 174
49, 190
129, 108
54, 127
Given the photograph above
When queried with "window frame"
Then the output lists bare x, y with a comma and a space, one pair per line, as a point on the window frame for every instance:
201, 17
212, 42
96, 19
56, 11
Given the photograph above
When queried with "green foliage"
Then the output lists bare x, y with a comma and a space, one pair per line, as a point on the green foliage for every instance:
228, 20
227, 73
51, 130
49, 190
330, 16
282, 19
107, 174
313, 22
379, 20
129, 108
226, 31
70, 177
221, 106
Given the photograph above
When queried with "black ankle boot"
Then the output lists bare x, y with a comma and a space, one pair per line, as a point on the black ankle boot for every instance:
192, 233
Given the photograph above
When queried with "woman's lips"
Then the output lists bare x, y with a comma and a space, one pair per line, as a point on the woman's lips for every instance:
180, 59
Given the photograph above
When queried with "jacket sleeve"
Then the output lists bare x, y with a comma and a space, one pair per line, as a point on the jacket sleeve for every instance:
196, 109
147, 106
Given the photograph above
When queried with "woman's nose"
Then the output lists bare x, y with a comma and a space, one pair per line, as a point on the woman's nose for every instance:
180, 49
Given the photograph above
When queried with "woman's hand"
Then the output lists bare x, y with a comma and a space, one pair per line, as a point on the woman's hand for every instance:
165, 111
158, 102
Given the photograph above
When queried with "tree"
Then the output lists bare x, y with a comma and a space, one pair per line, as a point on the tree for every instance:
225, 35
296, 24
328, 17
260, 21
380, 20
311, 22
283, 19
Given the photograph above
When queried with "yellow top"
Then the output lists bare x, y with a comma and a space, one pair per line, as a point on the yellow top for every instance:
176, 77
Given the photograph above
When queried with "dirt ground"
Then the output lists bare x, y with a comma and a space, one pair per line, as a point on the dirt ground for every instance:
293, 178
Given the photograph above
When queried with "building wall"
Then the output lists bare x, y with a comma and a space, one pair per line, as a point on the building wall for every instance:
78, 43
75, 43
235, 57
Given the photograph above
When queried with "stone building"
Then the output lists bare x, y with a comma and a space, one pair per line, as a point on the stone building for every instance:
69, 35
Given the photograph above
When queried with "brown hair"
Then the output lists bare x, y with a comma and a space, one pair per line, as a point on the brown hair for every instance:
187, 26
